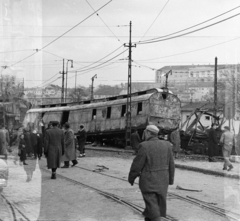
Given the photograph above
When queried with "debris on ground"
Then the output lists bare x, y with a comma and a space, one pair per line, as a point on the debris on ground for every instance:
181, 188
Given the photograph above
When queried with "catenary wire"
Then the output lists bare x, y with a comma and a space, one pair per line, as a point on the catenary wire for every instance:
196, 24
104, 22
154, 20
192, 50
37, 50
180, 35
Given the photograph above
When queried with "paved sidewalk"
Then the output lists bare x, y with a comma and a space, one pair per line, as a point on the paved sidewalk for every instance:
190, 162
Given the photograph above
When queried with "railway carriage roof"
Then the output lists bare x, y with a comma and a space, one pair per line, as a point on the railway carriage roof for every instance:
135, 98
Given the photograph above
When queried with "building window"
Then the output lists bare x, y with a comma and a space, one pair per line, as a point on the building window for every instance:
109, 109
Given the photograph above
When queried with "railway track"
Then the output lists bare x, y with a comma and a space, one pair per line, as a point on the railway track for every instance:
15, 214
204, 205
139, 209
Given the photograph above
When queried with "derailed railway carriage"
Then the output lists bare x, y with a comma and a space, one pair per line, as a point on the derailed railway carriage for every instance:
105, 119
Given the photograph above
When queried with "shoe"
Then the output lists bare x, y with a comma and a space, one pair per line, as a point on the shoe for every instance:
224, 168
53, 176
230, 167
74, 164
84, 155
25, 164
80, 156
65, 166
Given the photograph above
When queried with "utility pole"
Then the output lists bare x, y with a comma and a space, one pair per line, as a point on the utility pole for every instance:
129, 90
95, 76
215, 88
3, 90
62, 95
67, 78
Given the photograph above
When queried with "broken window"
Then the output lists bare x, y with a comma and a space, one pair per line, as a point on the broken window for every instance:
94, 112
139, 108
123, 110
109, 109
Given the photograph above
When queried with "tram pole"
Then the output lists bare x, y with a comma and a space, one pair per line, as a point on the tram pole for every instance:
129, 89
95, 76
62, 73
215, 88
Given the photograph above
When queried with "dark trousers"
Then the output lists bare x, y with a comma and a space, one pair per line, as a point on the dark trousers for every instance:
66, 163
54, 170
156, 205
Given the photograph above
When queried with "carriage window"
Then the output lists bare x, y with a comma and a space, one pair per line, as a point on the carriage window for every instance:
109, 109
94, 113
139, 108
123, 110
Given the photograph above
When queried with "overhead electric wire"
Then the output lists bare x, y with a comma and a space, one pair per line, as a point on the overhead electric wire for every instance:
47, 80
92, 68
204, 48
140, 65
2, 52
80, 69
196, 24
53, 54
154, 20
45, 85
177, 36
61, 34
103, 21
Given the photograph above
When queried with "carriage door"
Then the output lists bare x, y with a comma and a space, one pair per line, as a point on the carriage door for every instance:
65, 117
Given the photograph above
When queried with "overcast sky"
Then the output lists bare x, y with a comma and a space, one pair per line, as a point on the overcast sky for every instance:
99, 35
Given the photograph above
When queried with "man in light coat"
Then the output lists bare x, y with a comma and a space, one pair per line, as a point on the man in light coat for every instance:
227, 141
69, 151
154, 164
4, 140
54, 148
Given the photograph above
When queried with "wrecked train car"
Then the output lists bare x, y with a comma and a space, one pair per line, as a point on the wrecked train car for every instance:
105, 119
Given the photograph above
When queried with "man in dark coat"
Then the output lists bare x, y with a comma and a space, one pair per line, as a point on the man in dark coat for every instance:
154, 164
39, 145
212, 143
33, 140
54, 148
27, 139
81, 136
135, 141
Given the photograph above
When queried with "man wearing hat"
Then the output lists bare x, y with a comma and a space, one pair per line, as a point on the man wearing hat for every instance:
54, 147
227, 141
154, 165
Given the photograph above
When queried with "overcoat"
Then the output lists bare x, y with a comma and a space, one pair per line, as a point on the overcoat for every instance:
54, 147
135, 141
175, 140
69, 151
4, 139
155, 165
228, 140
33, 141
22, 148
213, 149
39, 144
27, 139
81, 137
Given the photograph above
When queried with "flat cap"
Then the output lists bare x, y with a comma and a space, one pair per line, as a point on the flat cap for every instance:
227, 128
153, 129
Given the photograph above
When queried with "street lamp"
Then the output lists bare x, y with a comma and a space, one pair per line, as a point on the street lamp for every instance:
95, 76
67, 77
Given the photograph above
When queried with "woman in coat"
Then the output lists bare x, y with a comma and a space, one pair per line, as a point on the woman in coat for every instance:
81, 136
22, 149
69, 150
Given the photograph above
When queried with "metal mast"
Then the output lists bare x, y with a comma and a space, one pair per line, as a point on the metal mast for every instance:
129, 89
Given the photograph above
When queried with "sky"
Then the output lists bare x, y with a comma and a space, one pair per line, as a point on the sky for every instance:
70, 30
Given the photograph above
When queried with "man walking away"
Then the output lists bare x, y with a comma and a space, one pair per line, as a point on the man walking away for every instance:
227, 141
33, 139
39, 145
81, 136
69, 151
154, 164
135, 141
54, 148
